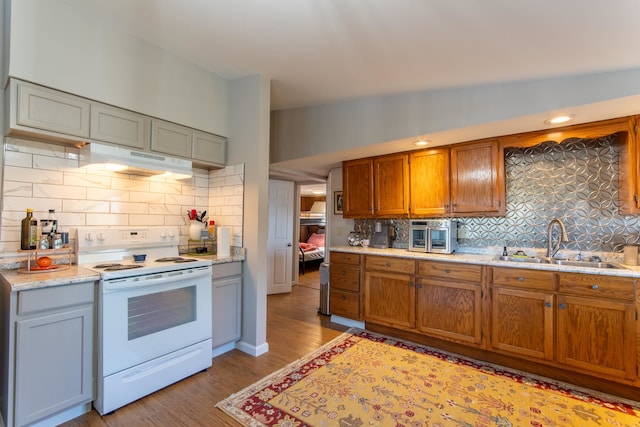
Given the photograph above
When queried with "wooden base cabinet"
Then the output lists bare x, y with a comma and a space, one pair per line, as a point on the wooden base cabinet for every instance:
522, 312
449, 301
344, 279
389, 291
596, 318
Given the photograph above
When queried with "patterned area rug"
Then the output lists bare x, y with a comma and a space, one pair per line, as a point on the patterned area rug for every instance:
367, 379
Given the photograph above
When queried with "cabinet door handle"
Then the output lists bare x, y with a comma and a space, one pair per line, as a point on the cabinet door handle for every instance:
410, 284
447, 271
595, 287
562, 306
521, 279
388, 264
547, 304
419, 285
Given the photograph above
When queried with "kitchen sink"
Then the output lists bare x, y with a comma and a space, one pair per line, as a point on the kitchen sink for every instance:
567, 262
587, 264
527, 259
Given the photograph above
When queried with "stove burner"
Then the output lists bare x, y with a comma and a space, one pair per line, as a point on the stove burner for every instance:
106, 265
116, 267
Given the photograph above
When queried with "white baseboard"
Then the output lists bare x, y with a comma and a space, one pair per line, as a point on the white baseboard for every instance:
252, 350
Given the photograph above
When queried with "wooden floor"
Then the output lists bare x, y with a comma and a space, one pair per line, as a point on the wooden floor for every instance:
294, 328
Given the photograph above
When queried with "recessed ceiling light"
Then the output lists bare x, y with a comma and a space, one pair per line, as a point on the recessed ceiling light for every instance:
421, 143
317, 191
558, 119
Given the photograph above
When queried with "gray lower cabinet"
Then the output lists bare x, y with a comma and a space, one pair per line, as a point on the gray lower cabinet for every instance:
50, 358
227, 302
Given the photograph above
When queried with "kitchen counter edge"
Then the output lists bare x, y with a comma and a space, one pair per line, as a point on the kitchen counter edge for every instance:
74, 274
490, 260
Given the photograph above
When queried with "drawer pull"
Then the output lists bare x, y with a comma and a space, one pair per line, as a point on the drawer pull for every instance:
343, 272
521, 279
595, 287
447, 271
562, 306
547, 304
342, 298
388, 264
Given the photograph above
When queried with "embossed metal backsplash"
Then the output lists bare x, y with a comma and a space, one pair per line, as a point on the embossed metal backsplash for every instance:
576, 181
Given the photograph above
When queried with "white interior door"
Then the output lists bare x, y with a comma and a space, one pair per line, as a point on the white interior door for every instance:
280, 245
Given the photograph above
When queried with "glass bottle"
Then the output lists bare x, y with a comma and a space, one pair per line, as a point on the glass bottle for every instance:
53, 222
29, 231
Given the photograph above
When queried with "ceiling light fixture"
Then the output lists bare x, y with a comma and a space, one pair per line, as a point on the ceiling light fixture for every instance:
317, 191
558, 119
422, 143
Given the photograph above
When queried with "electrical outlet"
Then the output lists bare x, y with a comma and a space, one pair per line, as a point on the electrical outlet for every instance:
462, 232
339, 231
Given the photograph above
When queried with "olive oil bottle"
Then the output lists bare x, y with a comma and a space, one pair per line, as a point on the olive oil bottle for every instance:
29, 231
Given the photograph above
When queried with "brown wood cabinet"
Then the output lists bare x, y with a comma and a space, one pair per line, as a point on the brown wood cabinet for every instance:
597, 324
376, 187
522, 312
449, 301
465, 180
477, 179
429, 172
389, 291
344, 278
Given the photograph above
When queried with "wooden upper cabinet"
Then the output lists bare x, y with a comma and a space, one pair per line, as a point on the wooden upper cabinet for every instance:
357, 188
477, 179
429, 181
391, 185
376, 187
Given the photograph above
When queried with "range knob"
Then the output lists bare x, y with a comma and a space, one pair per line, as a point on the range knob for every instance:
101, 237
88, 237
163, 234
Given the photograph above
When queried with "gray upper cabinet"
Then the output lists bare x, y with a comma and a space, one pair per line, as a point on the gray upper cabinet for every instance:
48, 110
118, 126
209, 148
170, 138
58, 116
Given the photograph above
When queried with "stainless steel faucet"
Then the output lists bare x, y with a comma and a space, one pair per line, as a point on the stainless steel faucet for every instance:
553, 248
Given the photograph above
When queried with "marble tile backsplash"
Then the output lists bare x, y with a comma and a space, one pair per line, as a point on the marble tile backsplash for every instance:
47, 176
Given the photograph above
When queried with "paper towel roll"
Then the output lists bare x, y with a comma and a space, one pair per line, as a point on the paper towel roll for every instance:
224, 243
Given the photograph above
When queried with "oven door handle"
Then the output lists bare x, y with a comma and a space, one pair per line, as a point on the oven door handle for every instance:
154, 279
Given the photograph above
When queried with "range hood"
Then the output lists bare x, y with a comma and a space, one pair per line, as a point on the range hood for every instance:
118, 159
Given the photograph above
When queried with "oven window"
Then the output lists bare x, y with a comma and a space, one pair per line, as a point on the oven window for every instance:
159, 311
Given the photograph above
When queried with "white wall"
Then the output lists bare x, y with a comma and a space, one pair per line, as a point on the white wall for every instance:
249, 112
339, 227
308, 131
73, 50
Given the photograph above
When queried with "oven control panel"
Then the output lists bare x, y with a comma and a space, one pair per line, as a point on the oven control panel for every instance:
126, 237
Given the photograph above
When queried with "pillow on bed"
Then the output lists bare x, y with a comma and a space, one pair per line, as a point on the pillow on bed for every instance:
316, 239
307, 247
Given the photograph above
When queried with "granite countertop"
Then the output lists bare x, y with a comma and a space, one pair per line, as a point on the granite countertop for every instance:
488, 259
73, 274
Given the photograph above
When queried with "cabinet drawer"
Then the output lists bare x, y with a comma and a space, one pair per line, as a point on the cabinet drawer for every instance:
521, 278
344, 258
55, 297
345, 277
399, 265
449, 271
597, 285
345, 304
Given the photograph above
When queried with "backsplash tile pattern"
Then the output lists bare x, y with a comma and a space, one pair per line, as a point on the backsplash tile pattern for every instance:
47, 176
576, 181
